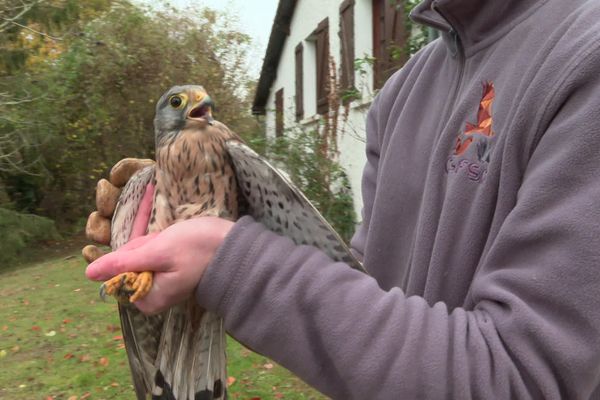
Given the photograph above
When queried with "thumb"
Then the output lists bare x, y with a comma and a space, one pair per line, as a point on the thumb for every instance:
140, 223
142, 258
137, 242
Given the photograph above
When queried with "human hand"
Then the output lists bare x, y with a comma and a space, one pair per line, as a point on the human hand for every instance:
107, 194
178, 256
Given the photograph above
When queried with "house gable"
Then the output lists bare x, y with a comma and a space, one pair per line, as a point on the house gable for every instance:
295, 74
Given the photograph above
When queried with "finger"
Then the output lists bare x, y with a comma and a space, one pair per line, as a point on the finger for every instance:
98, 228
107, 196
122, 171
140, 259
91, 253
165, 292
137, 242
148, 307
153, 302
140, 224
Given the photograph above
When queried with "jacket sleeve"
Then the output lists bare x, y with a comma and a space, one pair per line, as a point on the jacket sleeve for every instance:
534, 331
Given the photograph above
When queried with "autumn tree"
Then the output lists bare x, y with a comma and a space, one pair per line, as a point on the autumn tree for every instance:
93, 104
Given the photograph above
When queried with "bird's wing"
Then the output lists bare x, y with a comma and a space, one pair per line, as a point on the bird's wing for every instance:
277, 203
127, 206
139, 330
191, 357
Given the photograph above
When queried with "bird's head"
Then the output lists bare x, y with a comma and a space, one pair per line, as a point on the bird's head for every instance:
182, 107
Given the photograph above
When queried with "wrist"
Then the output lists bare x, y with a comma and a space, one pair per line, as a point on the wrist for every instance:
221, 273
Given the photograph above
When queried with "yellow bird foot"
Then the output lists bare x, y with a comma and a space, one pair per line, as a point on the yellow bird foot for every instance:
128, 287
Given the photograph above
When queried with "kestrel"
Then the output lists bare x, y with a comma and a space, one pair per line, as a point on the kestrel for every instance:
202, 168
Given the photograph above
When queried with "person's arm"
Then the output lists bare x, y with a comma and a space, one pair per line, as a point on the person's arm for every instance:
535, 329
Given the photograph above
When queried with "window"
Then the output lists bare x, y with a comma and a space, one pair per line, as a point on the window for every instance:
279, 113
321, 38
299, 83
346, 34
389, 38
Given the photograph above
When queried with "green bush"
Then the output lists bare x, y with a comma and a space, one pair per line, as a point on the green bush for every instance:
19, 231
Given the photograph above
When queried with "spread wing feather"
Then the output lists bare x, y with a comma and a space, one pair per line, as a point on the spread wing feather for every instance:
139, 330
276, 202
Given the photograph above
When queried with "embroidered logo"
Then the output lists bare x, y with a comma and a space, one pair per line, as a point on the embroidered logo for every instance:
477, 136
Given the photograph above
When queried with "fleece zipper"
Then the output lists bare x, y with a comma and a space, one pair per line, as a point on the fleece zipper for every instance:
455, 48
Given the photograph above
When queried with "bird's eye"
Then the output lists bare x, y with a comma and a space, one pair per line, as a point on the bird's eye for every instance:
176, 101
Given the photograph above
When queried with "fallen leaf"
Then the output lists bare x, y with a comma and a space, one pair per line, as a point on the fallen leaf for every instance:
66, 321
77, 290
104, 361
16, 348
2, 353
26, 302
114, 384
268, 366
35, 328
121, 346
279, 395
5, 328
72, 398
51, 333
85, 396
230, 380
22, 386
50, 398
118, 337
85, 358
68, 356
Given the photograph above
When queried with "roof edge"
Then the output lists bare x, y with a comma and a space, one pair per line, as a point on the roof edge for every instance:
279, 32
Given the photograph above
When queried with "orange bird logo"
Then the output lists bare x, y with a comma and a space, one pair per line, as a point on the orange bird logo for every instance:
481, 132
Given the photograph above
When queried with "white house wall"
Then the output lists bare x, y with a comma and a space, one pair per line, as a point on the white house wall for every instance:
306, 17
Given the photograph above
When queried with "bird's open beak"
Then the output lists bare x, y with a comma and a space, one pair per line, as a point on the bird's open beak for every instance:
202, 109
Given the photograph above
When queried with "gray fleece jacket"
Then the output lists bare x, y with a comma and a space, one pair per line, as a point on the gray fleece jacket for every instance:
481, 225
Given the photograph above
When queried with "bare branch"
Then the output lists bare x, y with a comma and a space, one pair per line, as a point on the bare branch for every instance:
26, 7
36, 32
15, 135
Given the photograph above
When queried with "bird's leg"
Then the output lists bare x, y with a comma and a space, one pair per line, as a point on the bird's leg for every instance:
128, 287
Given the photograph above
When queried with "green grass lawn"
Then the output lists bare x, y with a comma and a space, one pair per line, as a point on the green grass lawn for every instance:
58, 341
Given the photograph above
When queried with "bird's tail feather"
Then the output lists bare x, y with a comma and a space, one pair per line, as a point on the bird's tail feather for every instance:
191, 362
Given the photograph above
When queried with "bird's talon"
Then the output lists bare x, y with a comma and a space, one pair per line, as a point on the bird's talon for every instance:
102, 292
128, 287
